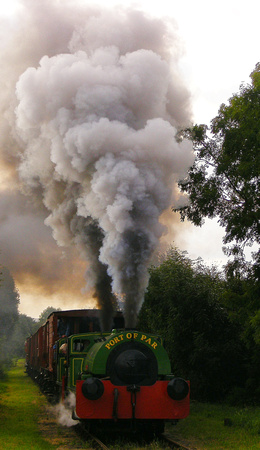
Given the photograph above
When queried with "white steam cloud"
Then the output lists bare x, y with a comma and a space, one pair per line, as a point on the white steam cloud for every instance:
63, 411
95, 120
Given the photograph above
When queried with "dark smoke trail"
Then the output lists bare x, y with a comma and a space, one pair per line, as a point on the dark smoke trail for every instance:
91, 243
94, 124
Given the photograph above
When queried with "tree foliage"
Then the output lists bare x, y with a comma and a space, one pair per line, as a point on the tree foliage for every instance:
182, 305
9, 301
224, 182
45, 314
14, 327
241, 298
24, 327
224, 179
210, 323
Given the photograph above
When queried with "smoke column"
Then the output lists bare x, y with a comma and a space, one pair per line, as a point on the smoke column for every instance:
94, 119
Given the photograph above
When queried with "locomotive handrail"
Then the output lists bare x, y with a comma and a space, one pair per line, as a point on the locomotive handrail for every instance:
133, 389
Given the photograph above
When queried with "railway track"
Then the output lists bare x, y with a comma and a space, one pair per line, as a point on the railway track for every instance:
87, 436
176, 443
98, 443
165, 437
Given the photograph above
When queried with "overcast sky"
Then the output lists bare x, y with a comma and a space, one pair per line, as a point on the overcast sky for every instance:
219, 47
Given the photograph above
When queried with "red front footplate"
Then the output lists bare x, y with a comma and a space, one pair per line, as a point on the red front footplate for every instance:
152, 402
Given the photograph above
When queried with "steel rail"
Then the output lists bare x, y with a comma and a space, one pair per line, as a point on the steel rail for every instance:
95, 439
177, 442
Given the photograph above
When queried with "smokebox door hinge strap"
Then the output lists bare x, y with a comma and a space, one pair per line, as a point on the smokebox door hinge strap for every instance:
116, 395
133, 389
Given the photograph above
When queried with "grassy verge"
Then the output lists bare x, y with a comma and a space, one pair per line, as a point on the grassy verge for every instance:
220, 427
21, 403
19, 408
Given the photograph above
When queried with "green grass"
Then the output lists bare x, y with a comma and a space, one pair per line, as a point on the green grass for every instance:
21, 402
206, 430
19, 408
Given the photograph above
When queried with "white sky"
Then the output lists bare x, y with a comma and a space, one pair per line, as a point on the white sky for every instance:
220, 50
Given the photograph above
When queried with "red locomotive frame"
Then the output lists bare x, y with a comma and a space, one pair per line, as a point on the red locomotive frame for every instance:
117, 403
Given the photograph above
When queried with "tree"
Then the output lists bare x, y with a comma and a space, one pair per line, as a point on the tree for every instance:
224, 182
45, 314
9, 300
182, 305
24, 327
224, 179
241, 299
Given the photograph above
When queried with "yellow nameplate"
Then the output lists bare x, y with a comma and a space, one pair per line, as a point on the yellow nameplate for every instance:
131, 336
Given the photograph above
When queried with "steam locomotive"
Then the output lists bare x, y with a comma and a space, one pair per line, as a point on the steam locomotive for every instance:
121, 377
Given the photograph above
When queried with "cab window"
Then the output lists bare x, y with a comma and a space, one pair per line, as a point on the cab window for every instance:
80, 345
